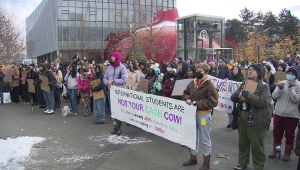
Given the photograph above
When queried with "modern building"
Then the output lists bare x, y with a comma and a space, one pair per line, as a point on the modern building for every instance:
203, 37
64, 28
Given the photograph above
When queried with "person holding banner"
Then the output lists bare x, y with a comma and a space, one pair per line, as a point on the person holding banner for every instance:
254, 118
116, 75
155, 81
286, 115
169, 84
203, 93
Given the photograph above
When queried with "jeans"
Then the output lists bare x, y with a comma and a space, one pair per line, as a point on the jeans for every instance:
73, 94
49, 98
15, 95
57, 96
204, 131
99, 110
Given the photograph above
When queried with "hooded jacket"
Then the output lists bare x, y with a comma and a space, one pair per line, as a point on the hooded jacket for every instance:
100, 76
116, 72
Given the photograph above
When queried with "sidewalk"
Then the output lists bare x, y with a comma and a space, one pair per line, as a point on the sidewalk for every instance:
74, 142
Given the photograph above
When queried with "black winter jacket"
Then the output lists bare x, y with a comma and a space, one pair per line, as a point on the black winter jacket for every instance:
224, 73
2, 84
49, 74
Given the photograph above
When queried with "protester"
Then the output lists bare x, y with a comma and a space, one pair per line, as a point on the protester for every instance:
191, 71
254, 119
213, 70
72, 84
286, 115
238, 77
57, 89
155, 81
40, 93
49, 97
169, 84
231, 65
116, 75
134, 77
2, 84
164, 66
182, 69
33, 76
224, 71
281, 67
271, 79
83, 86
25, 94
99, 104
15, 85
171, 65
203, 93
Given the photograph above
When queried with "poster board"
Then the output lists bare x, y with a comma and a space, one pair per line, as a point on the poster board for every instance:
180, 86
279, 76
250, 86
24, 75
8, 72
31, 87
99, 94
145, 86
45, 83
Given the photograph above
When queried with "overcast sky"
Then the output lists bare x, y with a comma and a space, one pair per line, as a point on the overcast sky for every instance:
226, 8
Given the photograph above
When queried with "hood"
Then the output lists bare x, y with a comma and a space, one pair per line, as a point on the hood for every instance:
118, 59
185, 66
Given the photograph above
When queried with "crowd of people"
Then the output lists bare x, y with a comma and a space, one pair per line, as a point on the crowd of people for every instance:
253, 109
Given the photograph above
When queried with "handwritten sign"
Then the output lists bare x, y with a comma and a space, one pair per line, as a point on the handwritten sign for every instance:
31, 87
280, 76
180, 86
145, 86
8, 72
171, 119
45, 83
99, 94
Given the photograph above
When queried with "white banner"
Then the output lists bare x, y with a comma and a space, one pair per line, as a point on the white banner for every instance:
169, 118
226, 89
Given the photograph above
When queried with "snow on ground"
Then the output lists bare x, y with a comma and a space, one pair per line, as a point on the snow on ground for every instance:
114, 139
15, 151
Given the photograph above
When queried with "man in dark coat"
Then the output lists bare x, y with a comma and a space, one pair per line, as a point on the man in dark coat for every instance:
224, 71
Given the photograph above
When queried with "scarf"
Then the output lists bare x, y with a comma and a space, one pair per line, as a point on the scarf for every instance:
85, 75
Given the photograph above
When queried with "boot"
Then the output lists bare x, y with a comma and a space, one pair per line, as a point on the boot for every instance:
206, 161
273, 153
287, 153
119, 132
115, 131
191, 161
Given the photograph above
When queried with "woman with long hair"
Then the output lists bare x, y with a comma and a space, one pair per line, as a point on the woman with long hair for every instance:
134, 77
72, 85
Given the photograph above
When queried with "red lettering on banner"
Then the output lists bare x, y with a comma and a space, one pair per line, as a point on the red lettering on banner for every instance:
148, 119
160, 130
222, 105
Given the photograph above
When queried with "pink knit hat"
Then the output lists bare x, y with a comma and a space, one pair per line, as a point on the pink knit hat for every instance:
212, 64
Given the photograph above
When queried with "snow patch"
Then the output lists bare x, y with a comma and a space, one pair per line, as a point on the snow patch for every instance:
113, 139
76, 158
14, 151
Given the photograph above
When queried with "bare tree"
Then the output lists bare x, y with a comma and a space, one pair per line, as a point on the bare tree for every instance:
30, 46
83, 35
11, 39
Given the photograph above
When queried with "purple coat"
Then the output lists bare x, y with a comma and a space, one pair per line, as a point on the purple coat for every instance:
118, 74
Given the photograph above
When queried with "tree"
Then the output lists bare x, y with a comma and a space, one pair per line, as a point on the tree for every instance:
288, 23
30, 46
83, 32
284, 47
11, 39
271, 25
234, 30
256, 45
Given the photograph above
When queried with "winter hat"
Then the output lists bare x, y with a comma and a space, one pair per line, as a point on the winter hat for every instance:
283, 65
258, 67
156, 69
281, 61
32, 65
212, 64
295, 70
174, 70
118, 59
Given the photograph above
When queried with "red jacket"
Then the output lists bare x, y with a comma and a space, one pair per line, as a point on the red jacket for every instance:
84, 84
168, 88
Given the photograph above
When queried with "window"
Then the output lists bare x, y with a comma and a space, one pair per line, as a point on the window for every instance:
93, 14
99, 14
72, 34
79, 14
65, 33
105, 14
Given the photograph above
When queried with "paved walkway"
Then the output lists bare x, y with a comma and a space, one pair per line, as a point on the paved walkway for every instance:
74, 142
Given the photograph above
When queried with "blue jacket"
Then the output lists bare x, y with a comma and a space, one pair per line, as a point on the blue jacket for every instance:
224, 73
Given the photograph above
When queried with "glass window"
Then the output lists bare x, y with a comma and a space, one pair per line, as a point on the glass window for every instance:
99, 24
65, 23
130, 7
92, 17
59, 23
78, 14
112, 15
86, 34
124, 6
118, 1
85, 4
105, 24
86, 15
99, 14
92, 4
59, 13
65, 3
78, 4
148, 2
93, 34
99, 4
105, 14
72, 3
171, 5
79, 33
112, 6
142, 2
65, 33
130, 1
118, 6
72, 34
72, 23
105, 5
105, 34
99, 34
93, 24
65, 17
59, 33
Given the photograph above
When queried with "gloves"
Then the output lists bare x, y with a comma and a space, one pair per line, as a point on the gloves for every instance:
82, 90
194, 103
280, 86
189, 102
245, 93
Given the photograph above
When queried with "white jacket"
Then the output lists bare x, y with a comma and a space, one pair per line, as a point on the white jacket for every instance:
71, 82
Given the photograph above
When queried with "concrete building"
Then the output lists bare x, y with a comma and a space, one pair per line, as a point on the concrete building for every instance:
64, 28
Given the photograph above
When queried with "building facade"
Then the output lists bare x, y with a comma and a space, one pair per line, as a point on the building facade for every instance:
64, 28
